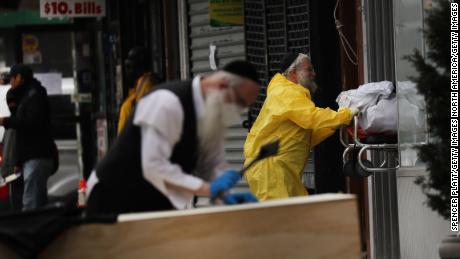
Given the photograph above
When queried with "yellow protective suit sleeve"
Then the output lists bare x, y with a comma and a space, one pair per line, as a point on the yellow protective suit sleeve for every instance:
143, 86
322, 121
125, 110
301, 110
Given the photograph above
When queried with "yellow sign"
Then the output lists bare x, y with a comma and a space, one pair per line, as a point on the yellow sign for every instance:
29, 43
226, 12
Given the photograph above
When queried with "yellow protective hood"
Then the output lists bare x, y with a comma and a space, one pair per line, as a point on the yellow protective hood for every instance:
288, 114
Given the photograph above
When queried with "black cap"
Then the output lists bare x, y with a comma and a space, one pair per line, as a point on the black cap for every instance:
23, 70
139, 56
242, 68
137, 62
287, 60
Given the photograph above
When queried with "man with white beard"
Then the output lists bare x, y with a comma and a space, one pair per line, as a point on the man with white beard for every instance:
289, 114
172, 146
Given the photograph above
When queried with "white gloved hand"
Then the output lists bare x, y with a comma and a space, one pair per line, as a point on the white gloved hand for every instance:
354, 111
343, 100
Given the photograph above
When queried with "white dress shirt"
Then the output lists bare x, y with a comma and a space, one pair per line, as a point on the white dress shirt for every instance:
160, 117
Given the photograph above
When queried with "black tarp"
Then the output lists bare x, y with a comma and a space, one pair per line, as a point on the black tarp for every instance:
28, 233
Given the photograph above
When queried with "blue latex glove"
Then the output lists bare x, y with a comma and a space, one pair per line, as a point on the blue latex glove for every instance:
238, 198
223, 183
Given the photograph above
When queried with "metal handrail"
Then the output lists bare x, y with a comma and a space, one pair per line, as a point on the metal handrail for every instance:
364, 147
345, 153
355, 131
342, 128
389, 147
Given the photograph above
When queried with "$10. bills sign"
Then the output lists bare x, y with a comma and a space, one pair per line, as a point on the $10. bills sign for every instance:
72, 8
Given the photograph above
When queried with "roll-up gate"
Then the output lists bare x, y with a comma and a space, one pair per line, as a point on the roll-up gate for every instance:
272, 28
229, 42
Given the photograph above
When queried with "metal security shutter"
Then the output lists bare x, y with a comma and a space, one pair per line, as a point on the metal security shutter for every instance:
230, 46
272, 28
229, 40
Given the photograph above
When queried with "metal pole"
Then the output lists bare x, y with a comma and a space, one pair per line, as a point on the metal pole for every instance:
183, 39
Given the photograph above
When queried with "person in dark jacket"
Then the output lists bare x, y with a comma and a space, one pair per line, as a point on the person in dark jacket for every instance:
34, 146
8, 167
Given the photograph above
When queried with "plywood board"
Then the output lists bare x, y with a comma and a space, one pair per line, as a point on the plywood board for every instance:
320, 226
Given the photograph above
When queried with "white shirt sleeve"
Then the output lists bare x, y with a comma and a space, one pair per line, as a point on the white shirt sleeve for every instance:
161, 117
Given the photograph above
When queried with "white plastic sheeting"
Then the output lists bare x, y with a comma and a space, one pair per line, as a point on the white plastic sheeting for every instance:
379, 106
365, 95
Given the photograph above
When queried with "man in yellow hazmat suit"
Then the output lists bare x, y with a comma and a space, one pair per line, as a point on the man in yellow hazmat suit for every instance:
289, 114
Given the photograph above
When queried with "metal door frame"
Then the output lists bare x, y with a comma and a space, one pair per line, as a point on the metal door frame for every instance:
380, 65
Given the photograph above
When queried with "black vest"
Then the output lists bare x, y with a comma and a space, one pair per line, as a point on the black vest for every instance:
122, 187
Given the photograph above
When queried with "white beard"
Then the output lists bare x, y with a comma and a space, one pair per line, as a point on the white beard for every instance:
307, 83
211, 131
211, 128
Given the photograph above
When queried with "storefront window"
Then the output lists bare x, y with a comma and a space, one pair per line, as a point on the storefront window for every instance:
408, 20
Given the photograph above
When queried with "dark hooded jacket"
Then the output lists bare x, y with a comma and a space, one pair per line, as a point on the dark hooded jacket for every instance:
9, 138
30, 117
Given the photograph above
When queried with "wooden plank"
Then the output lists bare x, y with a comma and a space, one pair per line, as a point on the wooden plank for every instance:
320, 226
